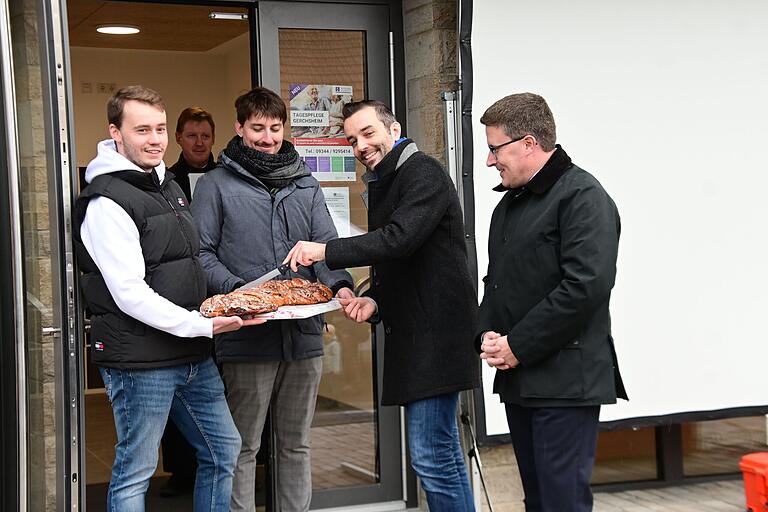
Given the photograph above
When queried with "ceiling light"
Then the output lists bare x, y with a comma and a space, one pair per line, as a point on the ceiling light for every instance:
117, 29
228, 16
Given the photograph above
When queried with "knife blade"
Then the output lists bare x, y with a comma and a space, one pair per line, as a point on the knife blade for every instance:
282, 269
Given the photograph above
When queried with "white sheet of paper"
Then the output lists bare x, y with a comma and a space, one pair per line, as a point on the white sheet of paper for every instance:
337, 199
193, 177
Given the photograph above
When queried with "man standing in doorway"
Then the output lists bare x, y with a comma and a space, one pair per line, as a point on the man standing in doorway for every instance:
195, 133
544, 319
143, 283
421, 290
249, 209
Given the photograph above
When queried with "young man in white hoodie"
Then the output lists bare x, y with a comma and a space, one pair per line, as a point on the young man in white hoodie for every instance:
137, 248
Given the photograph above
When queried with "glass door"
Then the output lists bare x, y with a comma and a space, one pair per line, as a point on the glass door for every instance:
36, 156
318, 57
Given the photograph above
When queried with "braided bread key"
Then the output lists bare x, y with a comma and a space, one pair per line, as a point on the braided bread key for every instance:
266, 297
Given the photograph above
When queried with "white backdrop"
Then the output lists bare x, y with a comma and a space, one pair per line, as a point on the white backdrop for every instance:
666, 104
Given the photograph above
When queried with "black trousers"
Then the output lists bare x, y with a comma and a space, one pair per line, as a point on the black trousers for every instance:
555, 451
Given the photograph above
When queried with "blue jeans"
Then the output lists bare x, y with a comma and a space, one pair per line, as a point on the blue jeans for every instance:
142, 400
436, 456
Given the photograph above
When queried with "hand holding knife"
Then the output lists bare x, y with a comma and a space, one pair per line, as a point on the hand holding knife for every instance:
282, 269
305, 253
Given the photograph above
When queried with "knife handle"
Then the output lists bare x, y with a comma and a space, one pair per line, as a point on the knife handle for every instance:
284, 268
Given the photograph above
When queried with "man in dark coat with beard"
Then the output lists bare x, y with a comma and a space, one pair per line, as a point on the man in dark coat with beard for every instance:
421, 291
544, 319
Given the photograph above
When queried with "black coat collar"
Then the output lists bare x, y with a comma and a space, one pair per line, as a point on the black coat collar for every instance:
144, 180
183, 167
388, 164
555, 167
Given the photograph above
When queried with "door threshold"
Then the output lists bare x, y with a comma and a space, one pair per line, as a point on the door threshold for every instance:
372, 507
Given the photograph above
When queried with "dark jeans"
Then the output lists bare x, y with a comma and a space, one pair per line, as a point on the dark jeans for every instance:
555, 451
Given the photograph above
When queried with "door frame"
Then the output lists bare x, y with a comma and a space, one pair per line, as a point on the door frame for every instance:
57, 85
271, 16
13, 445
53, 83
67, 325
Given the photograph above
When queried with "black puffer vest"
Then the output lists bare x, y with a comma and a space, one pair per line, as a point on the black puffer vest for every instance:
170, 244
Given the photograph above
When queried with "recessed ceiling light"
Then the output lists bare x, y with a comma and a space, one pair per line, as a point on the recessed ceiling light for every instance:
118, 29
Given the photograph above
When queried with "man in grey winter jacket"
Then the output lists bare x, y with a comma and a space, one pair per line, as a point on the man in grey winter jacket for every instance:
250, 210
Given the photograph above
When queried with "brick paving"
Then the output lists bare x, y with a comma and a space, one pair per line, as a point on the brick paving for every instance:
722, 496
343, 455
334, 447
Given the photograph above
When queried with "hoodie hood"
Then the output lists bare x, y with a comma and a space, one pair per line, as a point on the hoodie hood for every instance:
108, 160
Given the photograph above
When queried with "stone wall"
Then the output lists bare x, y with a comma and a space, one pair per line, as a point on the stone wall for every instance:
430, 67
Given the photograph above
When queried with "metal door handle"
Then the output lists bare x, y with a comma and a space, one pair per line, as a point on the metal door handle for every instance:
51, 331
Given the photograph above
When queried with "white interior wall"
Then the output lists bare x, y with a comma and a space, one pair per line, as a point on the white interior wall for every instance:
210, 79
665, 103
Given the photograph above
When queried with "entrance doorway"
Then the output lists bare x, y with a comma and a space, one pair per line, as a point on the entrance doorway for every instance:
207, 55
191, 59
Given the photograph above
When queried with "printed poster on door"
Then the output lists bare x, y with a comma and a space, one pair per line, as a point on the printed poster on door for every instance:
317, 130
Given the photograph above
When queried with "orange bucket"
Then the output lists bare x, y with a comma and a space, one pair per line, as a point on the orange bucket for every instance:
754, 466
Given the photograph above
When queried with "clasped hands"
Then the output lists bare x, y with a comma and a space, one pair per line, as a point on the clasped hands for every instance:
496, 352
358, 309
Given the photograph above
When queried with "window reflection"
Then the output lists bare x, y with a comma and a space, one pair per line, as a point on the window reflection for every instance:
715, 447
345, 427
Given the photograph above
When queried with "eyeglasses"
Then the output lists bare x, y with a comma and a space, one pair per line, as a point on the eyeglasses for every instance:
495, 149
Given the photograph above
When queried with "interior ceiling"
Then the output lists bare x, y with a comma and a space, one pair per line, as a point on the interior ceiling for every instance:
163, 26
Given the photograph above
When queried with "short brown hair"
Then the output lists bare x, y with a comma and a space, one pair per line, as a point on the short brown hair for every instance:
523, 114
260, 101
196, 114
140, 93
383, 113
